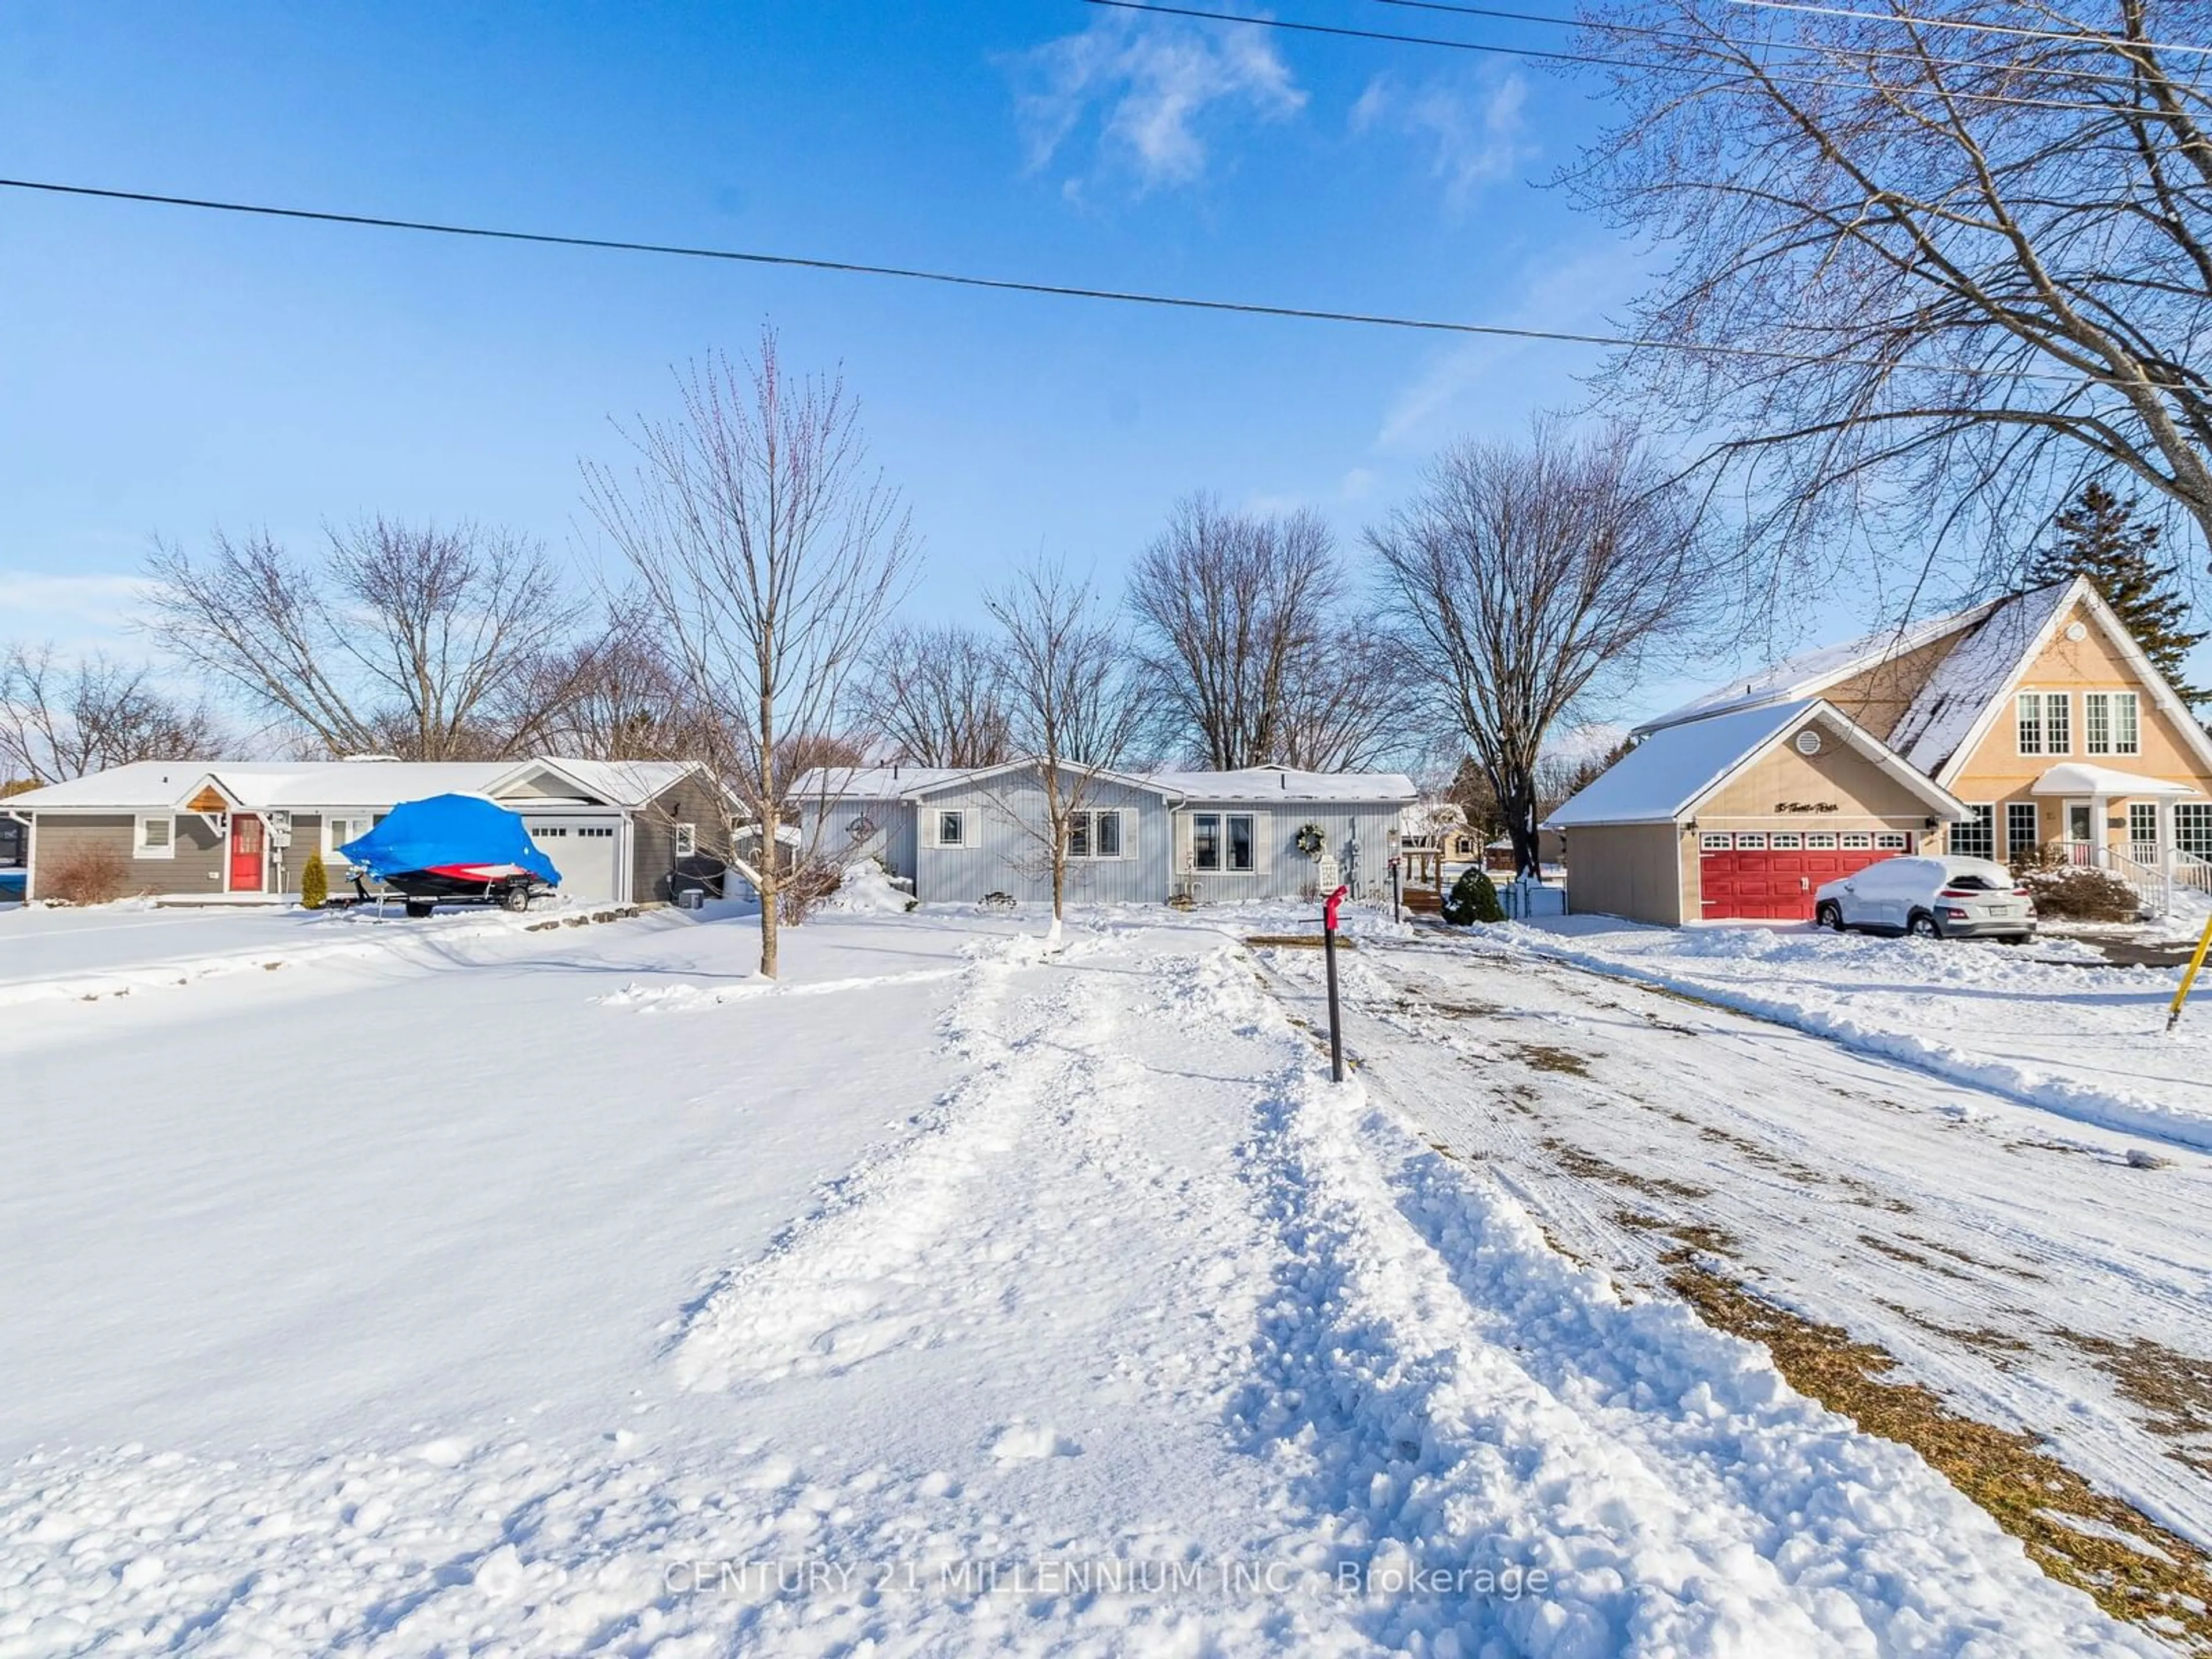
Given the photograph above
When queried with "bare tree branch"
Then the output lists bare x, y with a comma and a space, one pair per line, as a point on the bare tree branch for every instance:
1528, 580
62, 719
936, 695
770, 556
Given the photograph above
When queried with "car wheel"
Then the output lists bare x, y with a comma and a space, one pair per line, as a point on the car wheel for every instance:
1922, 926
1830, 916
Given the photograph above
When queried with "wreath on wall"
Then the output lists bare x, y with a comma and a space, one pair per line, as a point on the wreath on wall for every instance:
1309, 839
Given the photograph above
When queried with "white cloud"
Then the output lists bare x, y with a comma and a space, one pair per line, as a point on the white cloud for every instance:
1470, 126
1154, 89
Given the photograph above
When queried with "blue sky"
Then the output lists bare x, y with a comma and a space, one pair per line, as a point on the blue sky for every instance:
167, 372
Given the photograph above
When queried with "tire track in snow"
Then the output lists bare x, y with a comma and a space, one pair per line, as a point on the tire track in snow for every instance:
1447, 1391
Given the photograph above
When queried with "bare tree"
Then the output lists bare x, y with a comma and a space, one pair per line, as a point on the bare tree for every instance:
1530, 579
1231, 609
616, 696
1349, 704
935, 696
771, 555
1927, 273
1072, 703
403, 640
63, 718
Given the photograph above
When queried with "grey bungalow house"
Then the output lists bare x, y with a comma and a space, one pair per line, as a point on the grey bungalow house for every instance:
1267, 832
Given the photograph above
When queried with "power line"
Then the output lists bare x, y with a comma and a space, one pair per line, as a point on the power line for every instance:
1643, 65
1013, 285
1646, 32
2076, 37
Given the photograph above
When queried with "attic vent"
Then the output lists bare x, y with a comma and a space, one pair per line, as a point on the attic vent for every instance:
1808, 742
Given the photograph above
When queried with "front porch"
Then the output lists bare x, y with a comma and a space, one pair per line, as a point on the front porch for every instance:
2152, 832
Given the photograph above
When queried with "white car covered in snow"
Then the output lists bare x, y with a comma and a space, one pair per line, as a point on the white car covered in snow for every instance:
1932, 897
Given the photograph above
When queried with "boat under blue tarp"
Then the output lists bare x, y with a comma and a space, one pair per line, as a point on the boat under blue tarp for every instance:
453, 847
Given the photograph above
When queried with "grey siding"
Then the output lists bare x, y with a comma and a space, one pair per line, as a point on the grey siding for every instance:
1361, 835
1005, 819
826, 828
196, 870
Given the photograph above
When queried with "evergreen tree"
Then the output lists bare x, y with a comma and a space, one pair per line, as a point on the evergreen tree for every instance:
2099, 537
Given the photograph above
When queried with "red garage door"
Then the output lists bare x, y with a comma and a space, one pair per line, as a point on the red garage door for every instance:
1771, 875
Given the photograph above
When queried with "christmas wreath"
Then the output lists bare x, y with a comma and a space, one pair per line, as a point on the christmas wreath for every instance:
1311, 840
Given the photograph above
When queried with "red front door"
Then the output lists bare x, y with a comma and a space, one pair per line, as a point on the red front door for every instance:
244, 853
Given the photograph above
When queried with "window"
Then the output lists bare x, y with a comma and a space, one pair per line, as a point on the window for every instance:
1716, 841
156, 838
687, 840
2192, 827
2112, 722
2142, 823
951, 829
2023, 827
1241, 842
1751, 842
2046, 723
338, 831
1856, 840
595, 831
1095, 834
1206, 837
1820, 841
1976, 837
1786, 840
1891, 841
548, 832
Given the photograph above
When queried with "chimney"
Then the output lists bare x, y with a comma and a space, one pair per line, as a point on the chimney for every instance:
1284, 778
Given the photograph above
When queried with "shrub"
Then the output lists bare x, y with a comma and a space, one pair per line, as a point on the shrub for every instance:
314, 883
86, 875
1473, 898
805, 886
2066, 891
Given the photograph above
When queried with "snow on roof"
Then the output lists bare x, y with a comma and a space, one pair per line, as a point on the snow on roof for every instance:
1661, 778
2086, 778
872, 782
1258, 783
1945, 711
1810, 672
266, 785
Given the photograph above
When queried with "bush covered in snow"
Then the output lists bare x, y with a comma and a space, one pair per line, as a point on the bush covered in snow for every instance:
2066, 891
807, 888
867, 890
1473, 898
84, 875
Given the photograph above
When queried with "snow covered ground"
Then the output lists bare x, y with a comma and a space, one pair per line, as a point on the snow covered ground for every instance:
2083, 1041
490, 1291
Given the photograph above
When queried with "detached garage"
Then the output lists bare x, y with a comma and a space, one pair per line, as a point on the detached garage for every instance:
1742, 817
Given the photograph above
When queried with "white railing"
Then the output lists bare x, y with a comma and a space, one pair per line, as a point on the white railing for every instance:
2193, 872
2149, 880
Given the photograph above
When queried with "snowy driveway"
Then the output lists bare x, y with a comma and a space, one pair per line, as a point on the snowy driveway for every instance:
575, 1293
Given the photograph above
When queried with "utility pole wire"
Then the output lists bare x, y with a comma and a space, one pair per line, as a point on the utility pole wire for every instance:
1642, 66
1913, 19
1013, 285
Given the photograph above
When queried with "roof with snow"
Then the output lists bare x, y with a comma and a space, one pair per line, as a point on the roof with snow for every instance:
1256, 783
1669, 773
1951, 702
1811, 672
294, 785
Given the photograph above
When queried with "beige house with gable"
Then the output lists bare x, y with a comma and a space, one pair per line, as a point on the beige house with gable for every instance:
2035, 721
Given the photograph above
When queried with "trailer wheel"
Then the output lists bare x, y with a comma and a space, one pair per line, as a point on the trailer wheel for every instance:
419, 909
515, 898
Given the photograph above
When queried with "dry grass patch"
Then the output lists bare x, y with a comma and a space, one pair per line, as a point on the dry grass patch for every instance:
1543, 1057
2175, 1388
1576, 1162
2133, 1567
